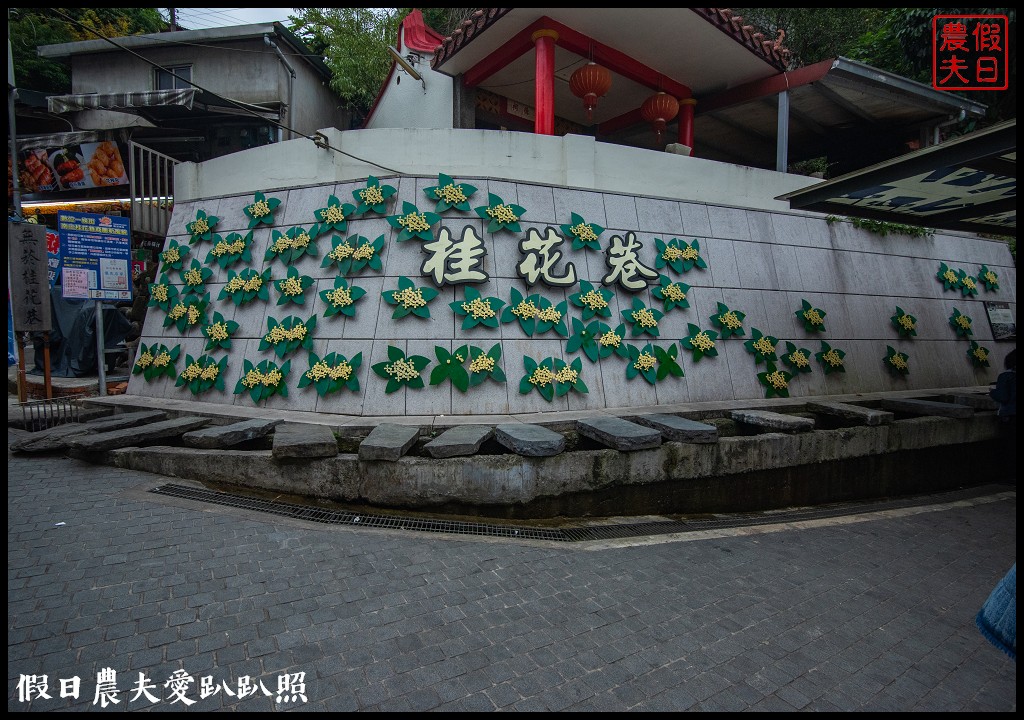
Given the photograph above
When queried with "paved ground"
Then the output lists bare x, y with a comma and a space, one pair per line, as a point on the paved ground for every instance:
869, 613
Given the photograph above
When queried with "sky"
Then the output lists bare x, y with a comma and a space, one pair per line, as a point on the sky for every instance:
202, 18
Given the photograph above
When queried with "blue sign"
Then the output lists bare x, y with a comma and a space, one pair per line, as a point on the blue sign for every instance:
95, 256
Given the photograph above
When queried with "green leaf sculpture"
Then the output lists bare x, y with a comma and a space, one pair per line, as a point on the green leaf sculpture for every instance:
261, 210
699, 342
413, 224
162, 294
797, 358
334, 217
372, 198
291, 245
978, 355
246, 286
173, 258
201, 229
642, 319
679, 255
905, 324
189, 312
672, 293
476, 310
354, 253
264, 380
450, 367
409, 299
196, 276
968, 285
156, 361
293, 287
948, 276
484, 365
342, 299
594, 301
730, 322
551, 316
288, 335
896, 361
331, 373
232, 249
813, 318
449, 194
584, 235
401, 371
203, 374
653, 363
831, 359
218, 333
988, 278
775, 381
501, 215
523, 310
552, 377
961, 324
761, 346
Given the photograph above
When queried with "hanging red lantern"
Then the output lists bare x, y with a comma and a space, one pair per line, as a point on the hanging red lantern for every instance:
590, 82
659, 110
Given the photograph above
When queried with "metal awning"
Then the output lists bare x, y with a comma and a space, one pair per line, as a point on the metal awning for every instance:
968, 184
31, 142
121, 101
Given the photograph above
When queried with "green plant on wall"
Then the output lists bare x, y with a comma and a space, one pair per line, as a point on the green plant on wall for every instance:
948, 277
264, 380
484, 365
476, 310
762, 347
401, 371
797, 358
673, 294
501, 215
679, 255
968, 285
203, 374
196, 276
905, 324
642, 319
729, 322
831, 359
288, 335
699, 342
246, 286
988, 278
448, 194
584, 235
551, 377
883, 227
594, 301
775, 381
156, 361
813, 318
978, 355
218, 333
354, 253
961, 324
292, 288
413, 224
896, 361
333, 218
188, 312
201, 229
341, 299
409, 299
232, 249
451, 366
261, 210
331, 373
291, 245
373, 198
173, 258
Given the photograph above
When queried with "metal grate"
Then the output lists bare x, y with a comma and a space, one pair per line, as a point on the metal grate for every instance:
568, 534
42, 414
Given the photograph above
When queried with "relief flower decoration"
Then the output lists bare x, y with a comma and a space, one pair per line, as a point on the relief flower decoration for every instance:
905, 324
653, 363
288, 335
968, 285
597, 340
189, 311
700, 342
762, 346
522, 309
449, 194
201, 228
354, 253
775, 381
246, 286
679, 255
202, 374
156, 361
730, 321
896, 361
483, 365
372, 198
674, 294
162, 294
291, 245
196, 276
341, 299
218, 333
642, 319
293, 287
584, 235
978, 355
477, 310
501, 215
333, 217
961, 324
230, 250
831, 358
173, 258
988, 278
813, 318
264, 380
948, 276
412, 223
551, 377
261, 210
400, 370
331, 373
450, 366
551, 316
797, 358
409, 299
592, 300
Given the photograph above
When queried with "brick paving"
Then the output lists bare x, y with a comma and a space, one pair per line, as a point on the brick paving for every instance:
875, 614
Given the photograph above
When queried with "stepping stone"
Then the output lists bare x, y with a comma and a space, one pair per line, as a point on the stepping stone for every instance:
459, 440
978, 402
910, 406
675, 428
59, 437
772, 422
855, 413
619, 434
134, 436
388, 441
529, 439
225, 436
304, 440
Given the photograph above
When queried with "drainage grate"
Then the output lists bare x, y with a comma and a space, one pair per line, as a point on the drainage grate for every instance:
569, 534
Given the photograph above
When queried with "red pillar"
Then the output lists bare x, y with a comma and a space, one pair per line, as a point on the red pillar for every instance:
686, 107
544, 107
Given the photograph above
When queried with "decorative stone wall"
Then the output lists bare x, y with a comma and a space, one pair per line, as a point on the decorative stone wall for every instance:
764, 267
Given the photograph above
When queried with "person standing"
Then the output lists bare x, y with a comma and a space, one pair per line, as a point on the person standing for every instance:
1005, 393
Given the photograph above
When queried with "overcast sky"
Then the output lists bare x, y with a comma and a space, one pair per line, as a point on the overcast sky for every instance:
202, 18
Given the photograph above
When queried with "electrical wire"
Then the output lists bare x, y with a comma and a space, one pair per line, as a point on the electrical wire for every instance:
319, 140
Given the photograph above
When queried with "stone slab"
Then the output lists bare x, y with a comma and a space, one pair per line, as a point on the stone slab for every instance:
855, 413
772, 421
978, 402
389, 442
529, 439
133, 436
910, 406
223, 436
459, 440
59, 437
619, 434
677, 429
304, 440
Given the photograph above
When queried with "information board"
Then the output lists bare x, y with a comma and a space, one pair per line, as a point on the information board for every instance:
95, 256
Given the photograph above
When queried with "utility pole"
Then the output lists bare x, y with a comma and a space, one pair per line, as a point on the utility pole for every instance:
172, 15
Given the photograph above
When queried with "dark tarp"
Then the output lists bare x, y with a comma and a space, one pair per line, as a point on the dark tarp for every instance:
73, 336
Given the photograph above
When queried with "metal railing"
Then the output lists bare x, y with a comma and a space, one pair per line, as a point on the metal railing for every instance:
151, 177
42, 414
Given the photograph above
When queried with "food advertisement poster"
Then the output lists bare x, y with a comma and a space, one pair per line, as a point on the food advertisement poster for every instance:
71, 167
95, 255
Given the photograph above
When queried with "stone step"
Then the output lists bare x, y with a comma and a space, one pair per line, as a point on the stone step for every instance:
678, 429
224, 436
134, 436
854, 413
619, 434
910, 406
459, 440
59, 437
529, 439
978, 402
388, 441
772, 421
304, 440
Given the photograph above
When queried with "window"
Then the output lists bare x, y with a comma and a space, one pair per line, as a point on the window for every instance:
167, 81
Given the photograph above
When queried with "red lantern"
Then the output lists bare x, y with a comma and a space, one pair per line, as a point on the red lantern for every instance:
590, 82
659, 110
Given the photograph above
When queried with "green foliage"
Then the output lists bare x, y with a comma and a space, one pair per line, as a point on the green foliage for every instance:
882, 227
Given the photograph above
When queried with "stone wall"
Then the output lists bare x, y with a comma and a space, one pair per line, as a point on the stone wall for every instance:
760, 263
